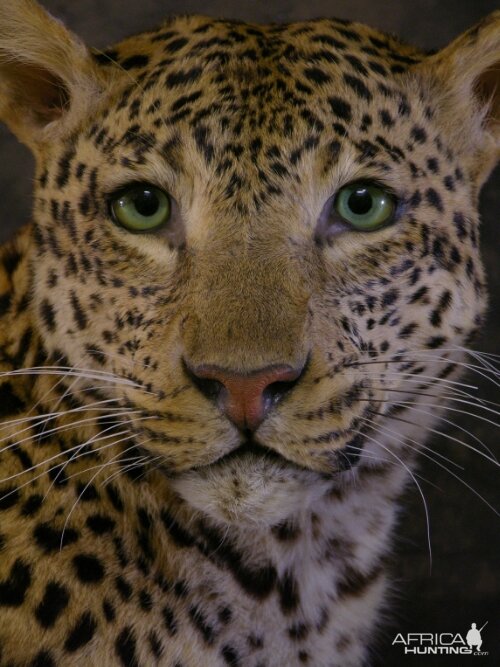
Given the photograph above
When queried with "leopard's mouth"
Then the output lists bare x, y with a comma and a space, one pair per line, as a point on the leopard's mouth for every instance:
254, 451
250, 446
341, 460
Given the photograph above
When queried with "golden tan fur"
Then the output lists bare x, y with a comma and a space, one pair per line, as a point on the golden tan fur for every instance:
251, 130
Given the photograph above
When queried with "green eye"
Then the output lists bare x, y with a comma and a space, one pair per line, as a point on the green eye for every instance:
141, 208
365, 207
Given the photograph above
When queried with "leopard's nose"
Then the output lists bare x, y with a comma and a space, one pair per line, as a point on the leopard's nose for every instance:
245, 399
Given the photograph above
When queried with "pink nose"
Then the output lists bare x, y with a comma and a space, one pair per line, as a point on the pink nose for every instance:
245, 399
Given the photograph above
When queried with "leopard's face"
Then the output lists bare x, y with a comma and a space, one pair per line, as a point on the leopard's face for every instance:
253, 132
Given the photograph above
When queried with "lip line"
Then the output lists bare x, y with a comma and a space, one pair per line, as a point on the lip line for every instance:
250, 445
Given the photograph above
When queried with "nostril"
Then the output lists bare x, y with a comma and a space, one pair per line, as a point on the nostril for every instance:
209, 387
275, 391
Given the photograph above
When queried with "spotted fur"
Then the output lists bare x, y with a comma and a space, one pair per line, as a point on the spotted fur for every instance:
135, 527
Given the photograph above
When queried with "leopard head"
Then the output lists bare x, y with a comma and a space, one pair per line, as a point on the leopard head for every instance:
261, 239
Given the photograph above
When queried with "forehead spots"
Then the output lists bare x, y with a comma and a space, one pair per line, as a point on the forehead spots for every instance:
271, 86
175, 45
230, 110
358, 86
136, 61
183, 77
316, 75
341, 108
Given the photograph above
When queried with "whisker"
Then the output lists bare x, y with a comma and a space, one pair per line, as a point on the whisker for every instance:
45, 472
51, 458
448, 397
78, 448
47, 393
409, 377
50, 415
363, 455
436, 381
455, 425
402, 439
70, 371
449, 408
149, 468
131, 436
136, 462
450, 472
98, 438
92, 440
426, 509
434, 359
82, 493
448, 436
477, 353
62, 428
409, 404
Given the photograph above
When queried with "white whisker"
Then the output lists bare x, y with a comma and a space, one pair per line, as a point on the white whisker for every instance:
62, 428
426, 509
82, 493
450, 472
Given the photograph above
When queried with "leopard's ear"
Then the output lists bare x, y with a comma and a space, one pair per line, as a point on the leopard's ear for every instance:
48, 80
465, 80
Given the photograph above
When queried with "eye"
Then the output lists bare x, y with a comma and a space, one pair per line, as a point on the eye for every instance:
365, 206
141, 208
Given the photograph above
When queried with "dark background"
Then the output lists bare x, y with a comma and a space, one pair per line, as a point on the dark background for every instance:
463, 586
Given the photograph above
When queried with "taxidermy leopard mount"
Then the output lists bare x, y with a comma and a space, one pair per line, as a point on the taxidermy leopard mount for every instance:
252, 267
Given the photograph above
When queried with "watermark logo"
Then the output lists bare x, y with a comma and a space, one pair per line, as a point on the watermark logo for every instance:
442, 643
473, 638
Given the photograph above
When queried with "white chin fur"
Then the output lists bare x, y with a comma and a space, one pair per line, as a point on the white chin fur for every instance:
250, 490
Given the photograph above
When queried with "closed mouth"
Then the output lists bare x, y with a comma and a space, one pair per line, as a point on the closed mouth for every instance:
250, 446
344, 459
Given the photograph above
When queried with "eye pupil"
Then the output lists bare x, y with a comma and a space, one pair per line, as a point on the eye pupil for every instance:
360, 202
146, 203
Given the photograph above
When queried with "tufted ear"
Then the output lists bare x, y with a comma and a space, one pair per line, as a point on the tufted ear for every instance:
48, 80
465, 78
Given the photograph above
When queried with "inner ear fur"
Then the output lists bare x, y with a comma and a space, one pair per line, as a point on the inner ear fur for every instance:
465, 80
48, 79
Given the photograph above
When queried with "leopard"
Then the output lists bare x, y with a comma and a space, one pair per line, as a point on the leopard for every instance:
248, 284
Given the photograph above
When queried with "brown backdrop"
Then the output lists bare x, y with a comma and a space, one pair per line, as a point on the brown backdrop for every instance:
463, 584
